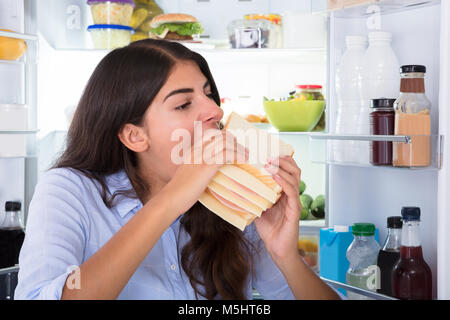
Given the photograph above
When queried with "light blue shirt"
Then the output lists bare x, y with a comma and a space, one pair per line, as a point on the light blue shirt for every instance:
68, 222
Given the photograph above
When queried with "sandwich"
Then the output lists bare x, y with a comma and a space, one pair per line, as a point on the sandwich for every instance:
240, 192
174, 26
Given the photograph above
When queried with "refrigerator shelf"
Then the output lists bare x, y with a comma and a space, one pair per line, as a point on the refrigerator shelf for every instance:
16, 35
19, 131
320, 223
370, 7
335, 149
366, 293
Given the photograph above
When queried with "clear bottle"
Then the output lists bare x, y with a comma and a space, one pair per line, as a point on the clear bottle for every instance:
411, 276
362, 255
412, 117
389, 254
380, 78
11, 235
349, 96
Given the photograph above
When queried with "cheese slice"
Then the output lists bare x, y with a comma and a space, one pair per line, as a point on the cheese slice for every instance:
251, 196
238, 200
243, 177
236, 218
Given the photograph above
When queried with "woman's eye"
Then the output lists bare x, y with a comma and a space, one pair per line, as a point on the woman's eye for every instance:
211, 95
184, 106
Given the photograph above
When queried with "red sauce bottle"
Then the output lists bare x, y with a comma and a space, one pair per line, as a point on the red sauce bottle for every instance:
382, 121
411, 277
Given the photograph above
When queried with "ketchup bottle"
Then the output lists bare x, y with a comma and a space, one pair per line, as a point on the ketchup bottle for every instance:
411, 275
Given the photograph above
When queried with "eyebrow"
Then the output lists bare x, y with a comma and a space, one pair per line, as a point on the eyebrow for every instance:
184, 90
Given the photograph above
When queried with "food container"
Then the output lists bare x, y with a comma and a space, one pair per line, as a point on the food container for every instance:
110, 36
112, 11
308, 248
294, 114
309, 92
11, 48
250, 33
276, 33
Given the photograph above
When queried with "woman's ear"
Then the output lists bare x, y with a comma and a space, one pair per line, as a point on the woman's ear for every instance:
134, 138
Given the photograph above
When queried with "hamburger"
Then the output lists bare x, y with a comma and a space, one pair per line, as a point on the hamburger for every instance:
174, 26
240, 193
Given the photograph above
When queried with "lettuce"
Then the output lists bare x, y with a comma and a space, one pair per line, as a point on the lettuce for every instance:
185, 29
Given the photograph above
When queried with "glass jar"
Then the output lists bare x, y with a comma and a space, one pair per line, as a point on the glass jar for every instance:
382, 119
276, 35
412, 118
309, 92
143, 14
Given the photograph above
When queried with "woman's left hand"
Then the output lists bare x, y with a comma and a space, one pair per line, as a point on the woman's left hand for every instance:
278, 226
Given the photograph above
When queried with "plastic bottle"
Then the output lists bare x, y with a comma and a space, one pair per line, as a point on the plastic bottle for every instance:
380, 79
349, 96
362, 255
389, 254
11, 235
411, 275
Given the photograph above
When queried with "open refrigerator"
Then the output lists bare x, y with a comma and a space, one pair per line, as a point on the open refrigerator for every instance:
60, 58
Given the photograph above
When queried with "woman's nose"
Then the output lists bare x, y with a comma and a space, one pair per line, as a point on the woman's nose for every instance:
211, 112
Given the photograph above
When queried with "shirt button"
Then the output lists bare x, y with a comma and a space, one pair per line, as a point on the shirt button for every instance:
173, 267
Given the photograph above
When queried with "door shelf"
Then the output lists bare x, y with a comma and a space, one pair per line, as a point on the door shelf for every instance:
370, 7
366, 293
353, 150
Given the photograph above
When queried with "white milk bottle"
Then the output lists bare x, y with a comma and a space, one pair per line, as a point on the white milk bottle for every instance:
349, 96
380, 79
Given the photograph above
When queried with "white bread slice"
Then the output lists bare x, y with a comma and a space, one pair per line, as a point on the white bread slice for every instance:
238, 201
236, 218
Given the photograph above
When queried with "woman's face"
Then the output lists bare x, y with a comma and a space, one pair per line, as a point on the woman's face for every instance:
185, 98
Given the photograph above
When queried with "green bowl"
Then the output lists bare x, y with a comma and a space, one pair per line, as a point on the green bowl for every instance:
294, 115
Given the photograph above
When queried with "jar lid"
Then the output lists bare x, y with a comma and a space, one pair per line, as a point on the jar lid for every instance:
394, 222
382, 103
363, 229
12, 206
411, 213
109, 26
308, 86
131, 2
414, 68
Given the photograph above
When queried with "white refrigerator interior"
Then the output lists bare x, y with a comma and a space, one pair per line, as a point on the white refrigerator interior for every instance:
355, 193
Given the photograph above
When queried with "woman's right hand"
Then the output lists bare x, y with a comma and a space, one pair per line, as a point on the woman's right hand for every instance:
216, 148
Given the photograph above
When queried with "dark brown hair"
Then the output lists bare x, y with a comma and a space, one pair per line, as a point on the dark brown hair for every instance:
120, 90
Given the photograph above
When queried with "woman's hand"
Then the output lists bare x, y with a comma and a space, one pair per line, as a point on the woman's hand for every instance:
199, 166
278, 226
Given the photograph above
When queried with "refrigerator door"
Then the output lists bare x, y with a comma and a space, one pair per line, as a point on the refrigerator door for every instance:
371, 194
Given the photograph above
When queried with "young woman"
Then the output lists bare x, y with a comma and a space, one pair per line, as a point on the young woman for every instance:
116, 218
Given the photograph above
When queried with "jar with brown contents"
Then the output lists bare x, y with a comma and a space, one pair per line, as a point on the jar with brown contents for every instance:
412, 118
382, 119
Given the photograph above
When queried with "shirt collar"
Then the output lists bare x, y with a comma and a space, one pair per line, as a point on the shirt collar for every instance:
120, 181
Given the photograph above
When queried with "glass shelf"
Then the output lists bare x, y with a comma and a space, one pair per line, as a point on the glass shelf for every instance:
319, 223
385, 7
338, 149
28, 37
366, 293
18, 131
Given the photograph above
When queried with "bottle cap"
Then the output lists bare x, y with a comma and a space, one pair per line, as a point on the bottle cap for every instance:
394, 222
363, 229
12, 206
413, 69
411, 213
382, 103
